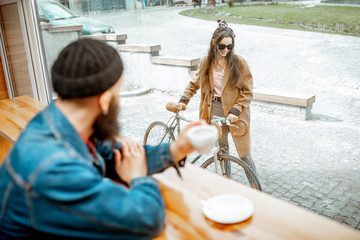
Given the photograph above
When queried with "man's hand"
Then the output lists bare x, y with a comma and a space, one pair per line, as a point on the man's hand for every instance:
181, 106
131, 163
182, 146
233, 118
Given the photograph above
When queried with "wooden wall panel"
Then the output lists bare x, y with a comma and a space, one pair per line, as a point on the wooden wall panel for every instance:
15, 50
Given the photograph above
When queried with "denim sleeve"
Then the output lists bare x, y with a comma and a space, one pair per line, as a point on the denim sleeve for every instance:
77, 201
158, 158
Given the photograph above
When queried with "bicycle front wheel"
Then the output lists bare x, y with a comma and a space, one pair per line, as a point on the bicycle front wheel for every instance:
158, 132
239, 170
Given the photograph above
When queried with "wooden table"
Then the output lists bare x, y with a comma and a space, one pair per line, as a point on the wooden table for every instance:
15, 113
272, 219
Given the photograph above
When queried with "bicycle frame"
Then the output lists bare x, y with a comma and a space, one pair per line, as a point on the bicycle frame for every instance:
175, 124
176, 120
217, 158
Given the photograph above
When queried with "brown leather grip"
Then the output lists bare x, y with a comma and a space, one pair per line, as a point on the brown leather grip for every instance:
171, 107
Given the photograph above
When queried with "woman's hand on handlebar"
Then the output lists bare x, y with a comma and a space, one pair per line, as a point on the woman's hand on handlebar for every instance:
181, 106
233, 118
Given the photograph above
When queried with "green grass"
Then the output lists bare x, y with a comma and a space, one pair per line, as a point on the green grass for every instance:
330, 19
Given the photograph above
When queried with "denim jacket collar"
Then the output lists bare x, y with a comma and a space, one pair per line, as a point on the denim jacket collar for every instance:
65, 132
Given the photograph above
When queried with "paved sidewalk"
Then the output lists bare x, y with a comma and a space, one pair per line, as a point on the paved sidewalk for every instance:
313, 164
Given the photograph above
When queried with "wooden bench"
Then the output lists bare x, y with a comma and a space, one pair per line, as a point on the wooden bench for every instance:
273, 100
297, 105
146, 69
15, 113
182, 4
153, 49
192, 63
295, 99
56, 29
110, 37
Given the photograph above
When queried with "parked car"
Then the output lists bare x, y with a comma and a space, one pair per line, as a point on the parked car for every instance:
58, 15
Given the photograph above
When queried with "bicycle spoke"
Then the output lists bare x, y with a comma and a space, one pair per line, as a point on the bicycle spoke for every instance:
158, 132
239, 171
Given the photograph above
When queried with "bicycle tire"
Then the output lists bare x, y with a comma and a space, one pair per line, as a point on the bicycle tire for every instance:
158, 132
243, 173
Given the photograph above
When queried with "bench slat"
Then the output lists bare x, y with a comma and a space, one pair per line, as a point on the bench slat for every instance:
176, 61
295, 99
111, 37
148, 48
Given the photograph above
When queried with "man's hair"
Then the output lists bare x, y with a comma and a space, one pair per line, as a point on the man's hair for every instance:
85, 68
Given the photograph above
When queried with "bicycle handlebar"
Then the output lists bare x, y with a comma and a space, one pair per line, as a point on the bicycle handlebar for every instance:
219, 119
172, 107
223, 120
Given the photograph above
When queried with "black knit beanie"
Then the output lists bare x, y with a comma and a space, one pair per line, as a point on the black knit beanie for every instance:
85, 68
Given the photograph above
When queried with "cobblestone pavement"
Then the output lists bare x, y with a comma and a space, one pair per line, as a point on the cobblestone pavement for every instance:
313, 164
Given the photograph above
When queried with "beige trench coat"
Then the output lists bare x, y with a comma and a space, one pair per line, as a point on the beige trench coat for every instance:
232, 97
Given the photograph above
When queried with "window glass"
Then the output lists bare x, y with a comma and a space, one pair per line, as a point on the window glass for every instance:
54, 11
64, 21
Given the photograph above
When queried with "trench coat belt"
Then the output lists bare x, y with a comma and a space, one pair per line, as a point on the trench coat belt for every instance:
217, 99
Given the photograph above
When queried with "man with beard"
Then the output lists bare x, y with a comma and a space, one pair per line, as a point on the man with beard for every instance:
56, 181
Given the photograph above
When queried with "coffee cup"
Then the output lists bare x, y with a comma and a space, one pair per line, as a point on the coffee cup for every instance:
203, 137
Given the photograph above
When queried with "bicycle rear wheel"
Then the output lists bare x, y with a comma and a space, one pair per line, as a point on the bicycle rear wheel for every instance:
240, 171
158, 132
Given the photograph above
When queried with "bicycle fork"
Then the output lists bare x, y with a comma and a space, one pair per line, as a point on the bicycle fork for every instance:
216, 161
221, 163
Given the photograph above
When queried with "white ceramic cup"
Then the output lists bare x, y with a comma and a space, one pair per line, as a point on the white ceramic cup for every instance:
203, 137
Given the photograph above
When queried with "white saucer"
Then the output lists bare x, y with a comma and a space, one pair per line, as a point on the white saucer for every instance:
228, 208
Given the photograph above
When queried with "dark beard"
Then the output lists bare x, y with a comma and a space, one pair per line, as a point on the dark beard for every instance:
107, 127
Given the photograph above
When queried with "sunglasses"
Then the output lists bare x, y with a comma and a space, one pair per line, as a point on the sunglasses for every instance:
223, 46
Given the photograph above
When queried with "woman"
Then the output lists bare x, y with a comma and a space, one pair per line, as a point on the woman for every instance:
226, 91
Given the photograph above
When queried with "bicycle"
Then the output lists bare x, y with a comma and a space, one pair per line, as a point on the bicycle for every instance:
222, 164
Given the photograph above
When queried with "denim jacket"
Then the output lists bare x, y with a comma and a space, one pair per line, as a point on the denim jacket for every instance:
49, 184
